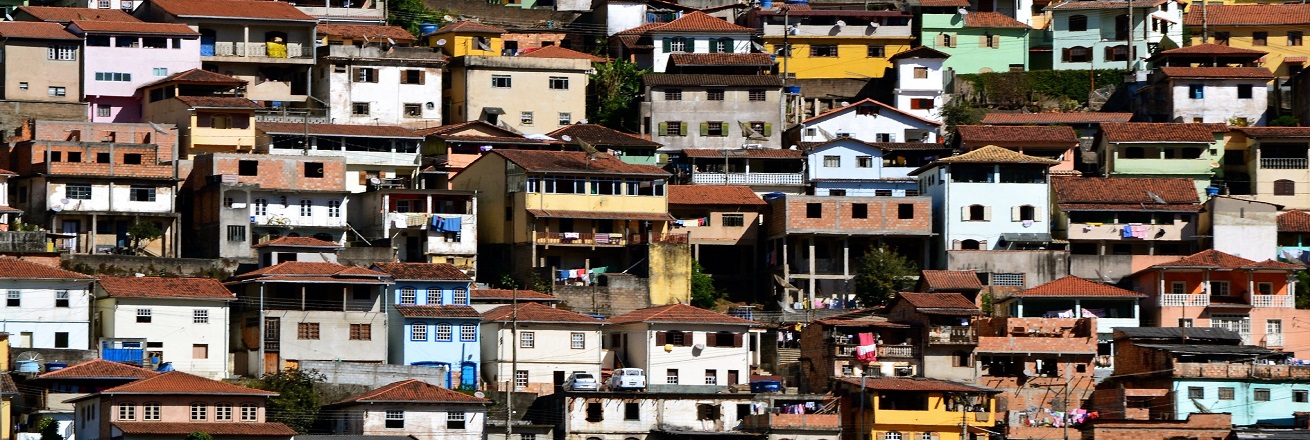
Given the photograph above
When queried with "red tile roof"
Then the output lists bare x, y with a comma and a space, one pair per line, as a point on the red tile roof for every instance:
700, 22
949, 280
219, 101
943, 3
723, 195
14, 268
540, 161
537, 312
1212, 259
100, 369
378, 131
177, 382
678, 314
35, 30
992, 20
1072, 286
861, 102
129, 27
179, 429
1074, 5
921, 52
1160, 132
1212, 49
911, 384
492, 295
1294, 221
721, 59
412, 391
1218, 72
639, 30
752, 153
437, 311
165, 287
885, 146
995, 154
318, 270
198, 76
1134, 191
233, 9
600, 136
997, 118
1274, 132
613, 215
67, 15
1060, 135
471, 27
422, 271
1250, 15
371, 32
298, 242
939, 303
560, 52
700, 80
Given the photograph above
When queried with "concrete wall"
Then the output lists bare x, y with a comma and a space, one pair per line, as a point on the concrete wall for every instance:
37, 314
694, 108
1039, 267
172, 323
670, 274
1243, 228
29, 74
966, 54
125, 265
617, 294
656, 412
372, 375
1099, 35
882, 126
552, 351
908, 87
528, 92
1219, 101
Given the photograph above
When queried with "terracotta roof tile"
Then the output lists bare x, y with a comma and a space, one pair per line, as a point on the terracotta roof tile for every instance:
723, 195
1218, 72
333, 271
1274, 132
372, 32
218, 102
15, 268
949, 281
1294, 221
992, 20
601, 215
100, 369
885, 146
177, 382
238, 9
198, 76
861, 102
639, 30
1077, 5
1072, 286
1124, 190
1144, 207
600, 136
560, 52
423, 271
67, 15
35, 30
700, 22
997, 118
678, 314
721, 59
129, 27
1211, 49
1061, 135
412, 391
1212, 259
922, 52
910, 384
409, 311
704, 80
1251, 15
7, 385
165, 287
469, 26
298, 242
939, 303
492, 295
378, 131
752, 153
1159, 132
540, 161
178, 429
943, 3
995, 154
537, 312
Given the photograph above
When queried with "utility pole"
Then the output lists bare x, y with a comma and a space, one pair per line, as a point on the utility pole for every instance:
513, 363
1068, 376
1132, 57
964, 416
1205, 29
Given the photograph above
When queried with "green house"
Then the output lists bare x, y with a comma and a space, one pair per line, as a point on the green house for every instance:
977, 42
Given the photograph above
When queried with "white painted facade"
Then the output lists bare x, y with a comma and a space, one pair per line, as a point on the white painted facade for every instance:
879, 124
849, 153
126, 5
690, 364
1000, 202
38, 320
696, 43
187, 329
423, 422
1219, 102
621, 16
282, 208
552, 351
384, 89
109, 196
655, 412
909, 86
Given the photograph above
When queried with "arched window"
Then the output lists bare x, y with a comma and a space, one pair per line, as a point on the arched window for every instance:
1077, 23
969, 245
1284, 187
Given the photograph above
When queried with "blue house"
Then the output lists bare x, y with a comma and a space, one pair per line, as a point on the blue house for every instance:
431, 320
851, 167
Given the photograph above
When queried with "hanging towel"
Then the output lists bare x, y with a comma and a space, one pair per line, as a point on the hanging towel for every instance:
1128, 231
570, 235
1027, 223
452, 224
602, 239
1139, 231
399, 221
564, 274
415, 220
864, 338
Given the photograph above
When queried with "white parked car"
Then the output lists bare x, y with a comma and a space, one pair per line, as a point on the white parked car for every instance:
581, 382
627, 379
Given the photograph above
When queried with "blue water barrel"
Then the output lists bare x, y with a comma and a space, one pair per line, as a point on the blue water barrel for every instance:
766, 4
427, 28
766, 386
55, 366
1211, 191
29, 367
165, 367
792, 90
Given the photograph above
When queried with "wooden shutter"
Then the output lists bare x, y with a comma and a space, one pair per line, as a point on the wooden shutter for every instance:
941, 40
964, 213
1014, 213
737, 340
714, 46
983, 40
664, 129
422, 76
727, 45
705, 129
768, 129
661, 338
668, 45
987, 213
684, 129
712, 340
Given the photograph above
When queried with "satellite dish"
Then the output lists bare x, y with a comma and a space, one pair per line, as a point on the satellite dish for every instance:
1156, 197
873, 24
480, 395
448, 18
374, 181
963, 11
566, 138
841, 23
390, 41
441, 42
157, 128
29, 356
64, 201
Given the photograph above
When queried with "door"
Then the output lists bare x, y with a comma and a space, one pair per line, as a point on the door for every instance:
414, 249
1237, 323
468, 375
559, 380
1274, 333
734, 377
207, 39
71, 227
121, 239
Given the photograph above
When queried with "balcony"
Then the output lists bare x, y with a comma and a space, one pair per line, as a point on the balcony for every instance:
1273, 301
1284, 163
778, 179
1114, 231
1184, 300
902, 351
952, 334
1273, 340
827, 422
1216, 370
828, 30
295, 53
586, 239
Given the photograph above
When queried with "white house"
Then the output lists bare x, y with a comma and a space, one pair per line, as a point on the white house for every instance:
870, 121
1210, 94
696, 32
684, 346
183, 321
919, 83
5, 209
411, 408
45, 307
590, 415
552, 343
371, 85
852, 167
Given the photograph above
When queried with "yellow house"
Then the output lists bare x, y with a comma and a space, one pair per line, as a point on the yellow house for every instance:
463, 38
211, 117
1279, 29
912, 408
835, 44
8, 390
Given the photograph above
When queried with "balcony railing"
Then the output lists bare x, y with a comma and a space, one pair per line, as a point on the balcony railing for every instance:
747, 179
952, 334
1284, 163
896, 351
243, 49
585, 239
1274, 340
1273, 301
1184, 300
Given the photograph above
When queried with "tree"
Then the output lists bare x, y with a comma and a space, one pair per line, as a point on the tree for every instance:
1284, 121
199, 436
703, 293
1303, 290
49, 429
143, 232
615, 92
410, 13
880, 275
297, 402
960, 112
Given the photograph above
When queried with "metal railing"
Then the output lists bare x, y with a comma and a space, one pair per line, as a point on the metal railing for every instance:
704, 178
1273, 301
952, 334
242, 49
583, 238
1284, 163
1184, 300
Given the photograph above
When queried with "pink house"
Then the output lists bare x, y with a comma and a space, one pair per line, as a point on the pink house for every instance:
122, 56
172, 405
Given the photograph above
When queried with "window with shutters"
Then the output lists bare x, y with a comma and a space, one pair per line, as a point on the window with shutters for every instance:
1076, 54
976, 213
1294, 38
1284, 187
715, 128
1077, 23
1027, 213
761, 128
922, 104
707, 411
676, 44
1116, 53
411, 76
946, 40
366, 75
823, 50
674, 128
991, 41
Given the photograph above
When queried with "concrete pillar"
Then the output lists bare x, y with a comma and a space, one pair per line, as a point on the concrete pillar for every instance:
812, 268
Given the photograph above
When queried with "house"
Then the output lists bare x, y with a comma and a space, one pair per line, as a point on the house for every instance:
830, 348
267, 45
977, 42
350, 34
814, 242
850, 166
654, 415
1111, 34
1141, 149
283, 326
756, 63
452, 147
547, 345
422, 225
919, 82
894, 406
1274, 28
964, 282
52, 390
66, 14
763, 170
46, 307
1240, 227
484, 300
388, 153
412, 408
1197, 425
42, 62
691, 33
176, 404
1086, 124
942, 332
379, 83
869, 121
293, 248
157, 50
684, 348
100, 182
1293, 236
432, 296
240, 200
685, 111
629, 148
831, 43
5, 209
723, 223
1076, 298
1214, 289
359, 15
1268, 164
1058, 143
194, 311
468, 38
1189, 94
1116, 226
209, 110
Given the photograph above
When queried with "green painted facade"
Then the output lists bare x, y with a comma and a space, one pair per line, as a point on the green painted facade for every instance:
966, 46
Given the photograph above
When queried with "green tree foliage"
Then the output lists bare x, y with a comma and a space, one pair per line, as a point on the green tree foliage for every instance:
1284, 121
1303, 290
297, 402
703, 293
615, 93
199, 436
144, 232
49, 429
960, 112
880, 275
1015, 90
410, 13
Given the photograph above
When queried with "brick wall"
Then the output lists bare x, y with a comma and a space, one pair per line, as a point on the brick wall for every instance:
273, 172
1197, 426
72, 131
836, 215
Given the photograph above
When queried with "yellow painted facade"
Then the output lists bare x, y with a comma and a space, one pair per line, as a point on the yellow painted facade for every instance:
852, 60
1276, 43
458, 44
938, 420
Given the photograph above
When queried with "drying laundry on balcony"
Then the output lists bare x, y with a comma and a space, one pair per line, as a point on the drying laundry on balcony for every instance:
444, 224
1134, 231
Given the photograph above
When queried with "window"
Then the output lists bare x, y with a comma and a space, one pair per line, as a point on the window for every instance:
359, 109
248, 168
444, 332
78, 191
1265, 289
150, 411
813, 210
1178, 287
223, 412
366, 75
905, 211
711, 377
1227, 393
22, 85
200, 351
1077, 23
520, 378
1196, 91
501, 81
756, 95
455, 420
631, 411
1195, 393
361, 332
460, 297
577, 340
395, 419
127, 411
413, 110
1219, 288
1300, 396
1261, 395
1294, 38
891, 435
1244, 91
468, 332
922, 103
595, 413
261, 206
831, 161
1284, 187
714, 95
673, 94
823, 50
976, 213
307, 330
946, 40
859, 210
671, 376
143, 315
61, 339
921, 72
141, 193
200, 316
1007, 279
102, 157
707, 411
1116, 53
418, 332
61, 298
527, 339
1077, 54
676, 44
61, 52
161, 71
1259, 38
306, 208
104, 111
525, 118
876, 51
864, 161
559, 83
334, 208
673, 128
565, 118
199, 412
113, 76
313, 170
991, 41
13, 298
734, 220
1185, 322
411, 76
1027, 213
714, 128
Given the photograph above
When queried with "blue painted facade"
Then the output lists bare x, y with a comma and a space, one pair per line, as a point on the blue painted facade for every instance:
1244, 407
851, 167
435, 339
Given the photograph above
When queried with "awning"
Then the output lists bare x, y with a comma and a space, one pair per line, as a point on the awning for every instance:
1026, 237
600, 215
1294, 59
493, 111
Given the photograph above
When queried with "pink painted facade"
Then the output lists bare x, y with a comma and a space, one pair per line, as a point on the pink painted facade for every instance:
111, 74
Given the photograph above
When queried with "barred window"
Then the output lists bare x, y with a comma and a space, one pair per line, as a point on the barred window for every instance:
577, 340
418, 332
200, 316
443, 332
307, 330
468, 332
1007, 279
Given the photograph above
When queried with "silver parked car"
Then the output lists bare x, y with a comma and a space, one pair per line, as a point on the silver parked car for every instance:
581, 382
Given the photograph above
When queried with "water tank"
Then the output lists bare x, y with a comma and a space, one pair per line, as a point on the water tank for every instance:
165, 367
792, 90
766, 4
55, 366
427, 28
1211, 191
29, 367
